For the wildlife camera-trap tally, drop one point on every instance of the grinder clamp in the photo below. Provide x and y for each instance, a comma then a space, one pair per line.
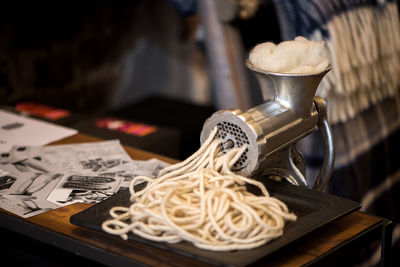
271, 130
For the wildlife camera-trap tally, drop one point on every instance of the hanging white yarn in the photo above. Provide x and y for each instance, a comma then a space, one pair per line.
364, 49
203, 202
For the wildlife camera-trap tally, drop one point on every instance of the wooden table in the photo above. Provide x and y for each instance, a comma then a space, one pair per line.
328, 245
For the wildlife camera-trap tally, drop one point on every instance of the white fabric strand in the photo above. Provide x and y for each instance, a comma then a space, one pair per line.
364, 50
203, 202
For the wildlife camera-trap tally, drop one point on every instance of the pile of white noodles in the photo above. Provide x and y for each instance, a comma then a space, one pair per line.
299, 56
203, 202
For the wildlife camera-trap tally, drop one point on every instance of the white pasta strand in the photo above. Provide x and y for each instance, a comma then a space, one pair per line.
202, 201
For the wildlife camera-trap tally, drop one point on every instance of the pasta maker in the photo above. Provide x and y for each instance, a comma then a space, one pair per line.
271, 130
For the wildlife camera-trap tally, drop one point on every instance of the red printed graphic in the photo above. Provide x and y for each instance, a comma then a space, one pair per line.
128, 127
41, 110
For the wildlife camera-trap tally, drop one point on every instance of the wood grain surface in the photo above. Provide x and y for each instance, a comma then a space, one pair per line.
305, 250
309, 248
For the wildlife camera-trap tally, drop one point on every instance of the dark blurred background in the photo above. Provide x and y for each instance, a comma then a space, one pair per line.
145, 61
163, 63
100, 55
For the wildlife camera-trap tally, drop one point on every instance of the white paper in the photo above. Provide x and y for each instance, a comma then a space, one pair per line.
20, 130
91, 157
25, 206
34, 179
27, 195
149, 168
34, 184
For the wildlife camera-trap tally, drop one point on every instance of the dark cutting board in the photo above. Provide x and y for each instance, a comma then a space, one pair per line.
313, 209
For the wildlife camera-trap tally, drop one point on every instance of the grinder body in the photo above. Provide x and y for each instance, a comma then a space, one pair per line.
290, 111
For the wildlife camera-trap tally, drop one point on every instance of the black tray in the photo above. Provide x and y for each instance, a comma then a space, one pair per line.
313, 209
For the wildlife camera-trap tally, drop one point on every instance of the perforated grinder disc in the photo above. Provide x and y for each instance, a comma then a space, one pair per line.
234, 132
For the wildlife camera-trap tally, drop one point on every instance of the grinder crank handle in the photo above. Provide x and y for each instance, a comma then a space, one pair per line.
326, 170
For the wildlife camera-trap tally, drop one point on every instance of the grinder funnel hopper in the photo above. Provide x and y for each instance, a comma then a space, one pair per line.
294, 91
271, 130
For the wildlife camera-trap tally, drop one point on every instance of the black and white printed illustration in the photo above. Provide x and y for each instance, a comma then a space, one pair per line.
95, 183
25, 206
18, 160
34, 179
39, 184
80, 158
6, 181
85, 196
148, 168
66, 190
27, 193
99, 164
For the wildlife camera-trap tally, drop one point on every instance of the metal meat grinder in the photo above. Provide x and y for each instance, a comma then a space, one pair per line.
271, 130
